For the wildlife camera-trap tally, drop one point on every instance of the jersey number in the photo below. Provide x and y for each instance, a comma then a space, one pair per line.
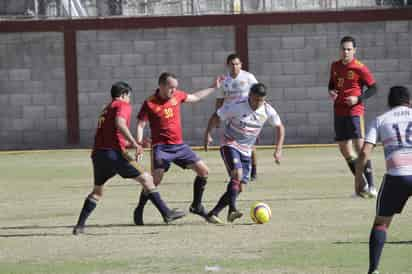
408, 134
168, 113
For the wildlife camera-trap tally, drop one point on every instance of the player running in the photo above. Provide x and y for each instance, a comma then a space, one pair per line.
110, 157
243, 121
347, 78
162, 112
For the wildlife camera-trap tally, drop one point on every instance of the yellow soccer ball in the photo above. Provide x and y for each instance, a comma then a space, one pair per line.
260, 213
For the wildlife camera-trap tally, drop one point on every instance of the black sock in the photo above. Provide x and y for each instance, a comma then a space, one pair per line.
376, 242
198, 189
221, 204
155, 198
253, 171
88, 206
233, 191
351, 163
368, 173
144, 197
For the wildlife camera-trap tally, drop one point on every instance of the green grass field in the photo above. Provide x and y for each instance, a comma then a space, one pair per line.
316, 226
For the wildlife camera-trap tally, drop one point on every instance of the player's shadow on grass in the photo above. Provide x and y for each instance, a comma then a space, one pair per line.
367, 243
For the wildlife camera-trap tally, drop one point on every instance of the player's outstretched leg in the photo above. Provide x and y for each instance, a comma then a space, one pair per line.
169, 215
233, 190
138, 212
198, 188
88, 206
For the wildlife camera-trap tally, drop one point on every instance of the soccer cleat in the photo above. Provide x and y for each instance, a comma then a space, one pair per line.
78, 230
213, 219
375, 272
233, 215
199, 210
173, 215
253, 177
138, 216
372, 192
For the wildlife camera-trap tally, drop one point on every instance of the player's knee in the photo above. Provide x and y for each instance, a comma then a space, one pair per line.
94, 196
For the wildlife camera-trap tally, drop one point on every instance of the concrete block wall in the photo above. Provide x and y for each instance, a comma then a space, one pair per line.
294, 60
32, 91
195, 55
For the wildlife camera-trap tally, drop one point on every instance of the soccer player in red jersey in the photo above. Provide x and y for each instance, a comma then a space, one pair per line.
109, 156
162, 112
348, 76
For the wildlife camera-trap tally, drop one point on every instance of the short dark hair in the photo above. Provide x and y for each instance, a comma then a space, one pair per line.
258, 89
232, 57
164, 76
398, 96
348, 39
120, 88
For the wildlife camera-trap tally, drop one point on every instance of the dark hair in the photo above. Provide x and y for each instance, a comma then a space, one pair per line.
258, 89
164, 76
398, 95
120, 88
232, 57
348, 39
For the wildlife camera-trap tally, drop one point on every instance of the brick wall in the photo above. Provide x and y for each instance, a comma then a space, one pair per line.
32, 91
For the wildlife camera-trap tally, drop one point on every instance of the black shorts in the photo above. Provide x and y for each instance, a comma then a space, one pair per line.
349, 127
180, 154
109, 162
393, 195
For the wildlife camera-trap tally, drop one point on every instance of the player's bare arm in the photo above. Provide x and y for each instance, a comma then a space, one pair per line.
199, 95
280, 136
363, 157
122, 126
213, 123
139, 136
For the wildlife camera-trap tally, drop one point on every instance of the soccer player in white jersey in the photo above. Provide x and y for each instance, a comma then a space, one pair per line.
394, 129
243, 121
236, 85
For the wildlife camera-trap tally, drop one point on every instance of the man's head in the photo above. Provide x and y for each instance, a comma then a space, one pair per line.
257, 95
234, 64
398, 96
121, 90
167, 85
347, 48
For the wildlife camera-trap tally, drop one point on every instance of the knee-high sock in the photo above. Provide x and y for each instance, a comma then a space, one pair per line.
351, 161
368, 173
376, 242
144, 197
198, 189
221, 204
233, 190
156, 199
88, 206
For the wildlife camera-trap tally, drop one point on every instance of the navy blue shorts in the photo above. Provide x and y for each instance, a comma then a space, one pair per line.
234, 160
393, 195
109, 162
349, 127
181, 154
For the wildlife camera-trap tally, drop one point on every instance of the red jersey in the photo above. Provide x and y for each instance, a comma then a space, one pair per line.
164, 117
349, 80
107, 135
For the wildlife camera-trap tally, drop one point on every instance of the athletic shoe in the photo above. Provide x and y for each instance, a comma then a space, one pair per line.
78, 230
232, 216
372, 192
253, 177
138, 216
174, 214
199, 210
213, 219
375, 272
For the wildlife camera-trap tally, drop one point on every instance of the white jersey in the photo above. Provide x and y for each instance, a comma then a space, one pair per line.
234, 89
394, 129
243, 125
